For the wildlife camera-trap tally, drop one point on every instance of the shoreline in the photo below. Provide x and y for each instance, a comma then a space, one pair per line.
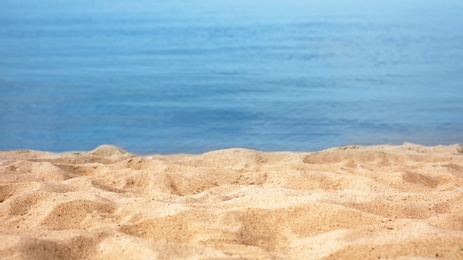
383, 201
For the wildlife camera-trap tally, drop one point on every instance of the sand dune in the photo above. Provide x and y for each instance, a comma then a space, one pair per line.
342, 203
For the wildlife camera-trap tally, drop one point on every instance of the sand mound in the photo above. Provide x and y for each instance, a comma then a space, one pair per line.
347, 202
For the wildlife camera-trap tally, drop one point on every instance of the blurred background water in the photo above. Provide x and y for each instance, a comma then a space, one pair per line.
192, 76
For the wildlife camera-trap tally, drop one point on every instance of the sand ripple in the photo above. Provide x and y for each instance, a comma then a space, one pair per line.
346, 202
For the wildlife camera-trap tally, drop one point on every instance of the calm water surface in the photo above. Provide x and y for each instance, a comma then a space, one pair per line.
192, 76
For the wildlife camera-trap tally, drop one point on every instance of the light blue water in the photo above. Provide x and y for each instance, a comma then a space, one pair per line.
192, 76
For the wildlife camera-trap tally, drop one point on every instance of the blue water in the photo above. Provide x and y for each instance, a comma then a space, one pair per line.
192, 76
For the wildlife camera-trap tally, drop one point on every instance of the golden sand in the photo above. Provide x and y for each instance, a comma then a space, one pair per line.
342, 203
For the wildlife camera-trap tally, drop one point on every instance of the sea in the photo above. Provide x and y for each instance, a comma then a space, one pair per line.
190, 76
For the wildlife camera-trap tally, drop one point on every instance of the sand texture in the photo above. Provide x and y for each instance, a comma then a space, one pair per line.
342, 203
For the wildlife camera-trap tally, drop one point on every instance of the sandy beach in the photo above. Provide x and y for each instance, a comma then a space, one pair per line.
350, 202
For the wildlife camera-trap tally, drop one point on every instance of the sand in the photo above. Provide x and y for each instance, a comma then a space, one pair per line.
342, 203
